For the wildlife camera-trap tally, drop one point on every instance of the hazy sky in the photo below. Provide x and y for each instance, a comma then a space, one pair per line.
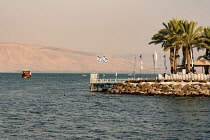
100, 26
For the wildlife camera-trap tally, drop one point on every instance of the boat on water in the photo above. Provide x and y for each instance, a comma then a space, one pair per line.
26, 74
84, 75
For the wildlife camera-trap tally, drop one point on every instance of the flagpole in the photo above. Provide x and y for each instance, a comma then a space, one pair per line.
98, 60
154, 63
140, 64
154, 72
104, 60
140, 69
134, 72
165, 62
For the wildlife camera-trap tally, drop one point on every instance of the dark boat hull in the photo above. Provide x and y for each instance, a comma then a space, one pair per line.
26, 74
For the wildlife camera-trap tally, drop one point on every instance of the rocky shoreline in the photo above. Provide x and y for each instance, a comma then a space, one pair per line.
177, 88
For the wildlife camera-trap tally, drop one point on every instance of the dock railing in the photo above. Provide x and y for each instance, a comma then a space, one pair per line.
189, 76
107, 80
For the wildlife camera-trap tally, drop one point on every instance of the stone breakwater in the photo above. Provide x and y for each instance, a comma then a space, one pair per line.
163, 88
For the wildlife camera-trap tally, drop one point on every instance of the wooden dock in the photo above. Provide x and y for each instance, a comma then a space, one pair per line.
97, 84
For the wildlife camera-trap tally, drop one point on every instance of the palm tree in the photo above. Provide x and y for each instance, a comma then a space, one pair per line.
206, 39
190, 38
175, 34
167, 36
160, 37
205, 44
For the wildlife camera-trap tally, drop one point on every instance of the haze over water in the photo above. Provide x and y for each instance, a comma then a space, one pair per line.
60, 106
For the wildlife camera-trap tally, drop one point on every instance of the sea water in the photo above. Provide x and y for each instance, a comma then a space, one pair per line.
60, 106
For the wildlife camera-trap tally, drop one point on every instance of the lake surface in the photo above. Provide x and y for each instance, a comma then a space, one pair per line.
60, 106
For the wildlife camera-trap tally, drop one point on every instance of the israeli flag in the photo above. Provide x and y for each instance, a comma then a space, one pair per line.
98, 59
105, 59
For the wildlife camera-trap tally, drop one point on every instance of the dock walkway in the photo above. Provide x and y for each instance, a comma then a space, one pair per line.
107, 80
97, 84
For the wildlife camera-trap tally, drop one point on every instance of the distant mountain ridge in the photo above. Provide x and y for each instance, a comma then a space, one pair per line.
17, 57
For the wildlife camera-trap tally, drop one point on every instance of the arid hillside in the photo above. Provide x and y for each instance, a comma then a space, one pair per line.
17, 57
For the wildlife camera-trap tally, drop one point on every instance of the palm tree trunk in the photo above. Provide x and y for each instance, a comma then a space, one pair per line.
176, 59
184, 57
172, 59
206, 69
188, 58
193, 70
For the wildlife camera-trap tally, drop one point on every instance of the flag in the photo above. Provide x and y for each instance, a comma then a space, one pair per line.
153, 56
105, 59
155, 59
141, 62
165, 62
98, 59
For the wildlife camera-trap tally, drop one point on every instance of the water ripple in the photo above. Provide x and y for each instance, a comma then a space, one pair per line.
53, 106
